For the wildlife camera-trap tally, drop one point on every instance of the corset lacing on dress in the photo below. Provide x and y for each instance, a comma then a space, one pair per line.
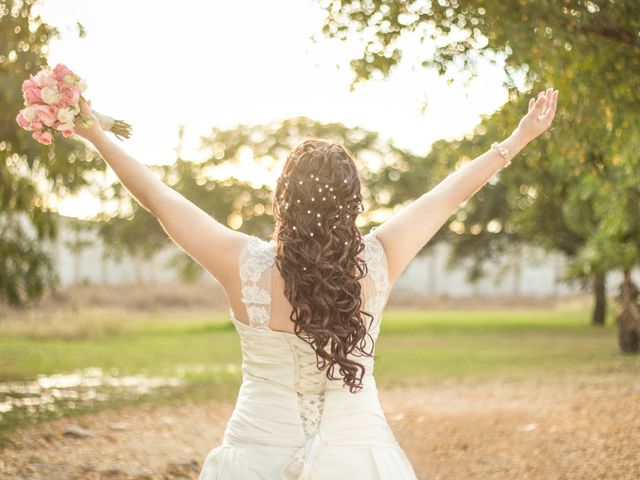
310, 384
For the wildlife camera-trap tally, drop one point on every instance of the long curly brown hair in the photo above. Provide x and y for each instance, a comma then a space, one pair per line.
316, 203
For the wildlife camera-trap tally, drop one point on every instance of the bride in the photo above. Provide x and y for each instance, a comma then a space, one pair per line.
307, 303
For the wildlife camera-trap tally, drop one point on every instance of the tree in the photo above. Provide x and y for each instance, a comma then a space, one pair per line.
588, 49
529, 203
30, 172
627, 319
616, 245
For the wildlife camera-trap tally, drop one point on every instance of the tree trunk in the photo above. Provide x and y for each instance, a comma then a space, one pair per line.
600, 292
628, 319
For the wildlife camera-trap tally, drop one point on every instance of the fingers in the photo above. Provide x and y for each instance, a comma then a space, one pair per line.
552, 108
85, 106
544, 101
546, 117
539, 103
549, 100
543, 107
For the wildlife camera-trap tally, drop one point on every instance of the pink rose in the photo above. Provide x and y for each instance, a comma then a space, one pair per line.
29, 83
31, 91
46, 114
23, 122
45, 79
69, 93
43, 137
27, 119
67, 133
60, 71
32, 95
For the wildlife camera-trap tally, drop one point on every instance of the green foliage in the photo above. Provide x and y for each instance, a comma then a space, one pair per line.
576, 189
529, 35
25, 270
30, 173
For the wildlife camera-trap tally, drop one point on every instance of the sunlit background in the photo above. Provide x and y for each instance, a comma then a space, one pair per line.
204, 64
509, 346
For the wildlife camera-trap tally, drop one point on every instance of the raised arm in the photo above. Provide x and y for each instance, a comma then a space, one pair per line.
407, 231
213, 245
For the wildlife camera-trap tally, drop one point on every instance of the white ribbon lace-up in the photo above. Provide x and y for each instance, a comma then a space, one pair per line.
310, 384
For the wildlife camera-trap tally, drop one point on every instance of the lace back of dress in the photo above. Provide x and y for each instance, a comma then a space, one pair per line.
258, 257
375, 285
256, 261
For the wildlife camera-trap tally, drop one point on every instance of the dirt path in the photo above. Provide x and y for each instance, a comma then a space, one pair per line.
580, 429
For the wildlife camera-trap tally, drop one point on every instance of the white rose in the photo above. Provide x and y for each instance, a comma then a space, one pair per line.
41, 78
65, 126
50, 95
82, 85
66, 115
29, 114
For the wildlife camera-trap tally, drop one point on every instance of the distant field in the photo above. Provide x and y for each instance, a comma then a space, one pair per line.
197, 353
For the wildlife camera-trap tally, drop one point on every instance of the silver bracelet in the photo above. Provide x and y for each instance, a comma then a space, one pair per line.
504, 153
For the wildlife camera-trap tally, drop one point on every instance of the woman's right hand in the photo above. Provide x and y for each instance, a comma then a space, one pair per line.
81, 128
540, 115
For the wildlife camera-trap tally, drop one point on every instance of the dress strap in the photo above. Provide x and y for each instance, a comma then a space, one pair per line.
378, 289
256, 260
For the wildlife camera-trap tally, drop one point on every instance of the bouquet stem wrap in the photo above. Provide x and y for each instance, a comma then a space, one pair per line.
119, 128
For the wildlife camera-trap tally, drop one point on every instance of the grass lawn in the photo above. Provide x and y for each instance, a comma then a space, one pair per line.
202, 350
434, 346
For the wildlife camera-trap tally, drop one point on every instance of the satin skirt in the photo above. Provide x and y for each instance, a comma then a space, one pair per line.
265, 437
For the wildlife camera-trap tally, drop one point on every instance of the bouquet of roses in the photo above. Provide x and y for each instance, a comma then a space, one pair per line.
52, 104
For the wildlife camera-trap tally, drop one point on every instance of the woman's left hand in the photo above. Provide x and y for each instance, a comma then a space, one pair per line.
540, 115
86, 124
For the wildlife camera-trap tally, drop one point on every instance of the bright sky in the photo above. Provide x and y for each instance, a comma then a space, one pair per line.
220, 63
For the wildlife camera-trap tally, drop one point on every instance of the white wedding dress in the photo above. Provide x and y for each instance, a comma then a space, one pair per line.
290, 421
